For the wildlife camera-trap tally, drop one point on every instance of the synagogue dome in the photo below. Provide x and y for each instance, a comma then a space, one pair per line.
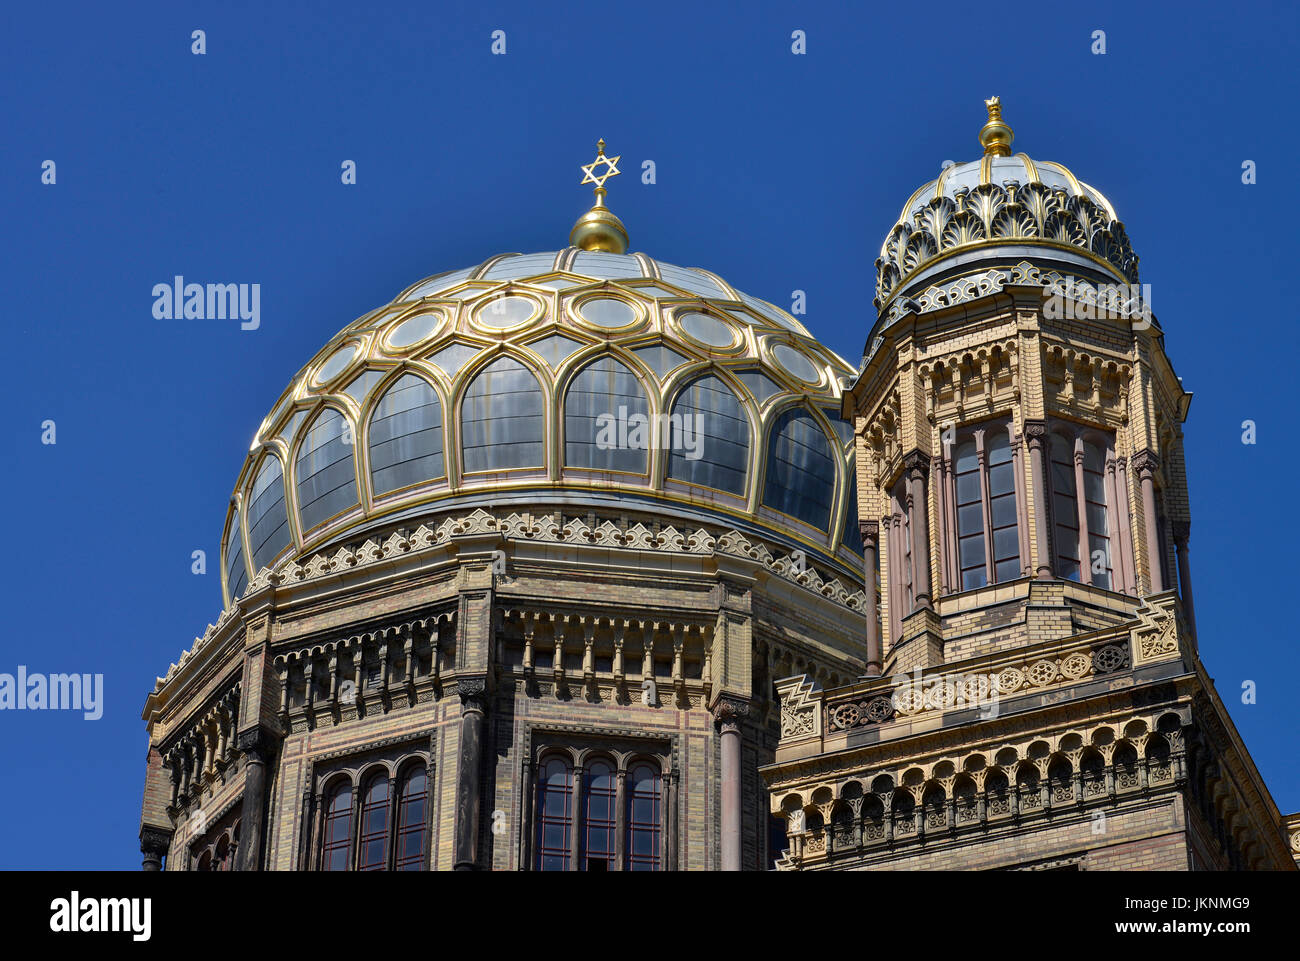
520, 384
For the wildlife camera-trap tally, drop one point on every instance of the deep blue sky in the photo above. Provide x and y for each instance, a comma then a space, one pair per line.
776, 171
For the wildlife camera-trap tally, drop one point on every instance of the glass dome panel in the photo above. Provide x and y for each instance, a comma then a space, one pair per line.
440, 283
599, 430
453, 357
555, 349
795, 363
691, 280
236, 569
800, 469
852, 538
659, 358
268, 520
607, 266
327, 483
718, 455
502, 422
406, 436
607, 312
508, 311
522, 265
707, 329
412, 330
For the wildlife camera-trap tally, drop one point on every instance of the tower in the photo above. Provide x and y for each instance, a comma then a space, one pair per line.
1033, 696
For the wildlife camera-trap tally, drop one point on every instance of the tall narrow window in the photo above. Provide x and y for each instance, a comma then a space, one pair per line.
1002, 507
1085, 539
1065, 513
899, 561
643, 817
374, 826
555, 815
338, 830
411, 820
599, 795
970, 517
1094, 494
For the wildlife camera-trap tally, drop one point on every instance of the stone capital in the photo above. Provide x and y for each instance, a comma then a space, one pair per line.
729, 711
1182, 530
473, 693
870, 530
1145, 461
257, 743
916, 460
154, 840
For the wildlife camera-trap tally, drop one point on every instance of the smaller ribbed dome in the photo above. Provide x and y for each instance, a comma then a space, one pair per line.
1000, 210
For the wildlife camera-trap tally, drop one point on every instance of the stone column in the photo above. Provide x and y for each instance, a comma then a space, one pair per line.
469, 767
870, 553
154, 843
917, 465
729, 712
258, 747
1036, 437
1183, 531
1146, 464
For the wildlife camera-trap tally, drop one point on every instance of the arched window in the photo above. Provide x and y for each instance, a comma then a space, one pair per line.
336, 850
268, 520
373, 855
710, 442
412, 819
643, 817
222, 859
236, 570
205, 861
502, 423
599, 796
406, 436
327, 483
981, 498
606, 419
555, 814
800, 469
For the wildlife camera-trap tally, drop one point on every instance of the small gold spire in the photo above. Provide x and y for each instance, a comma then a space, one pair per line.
599, 228
996, 136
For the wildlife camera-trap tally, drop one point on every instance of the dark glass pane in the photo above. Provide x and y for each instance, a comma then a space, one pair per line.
1006, 543
501, 418
970, 519
800, 469
326, 482
966, 459
1008, 570
1004, 511
406, 436
1002, 480
268, 520
606, 425
718, 454
968, 488
972, 550
972, 578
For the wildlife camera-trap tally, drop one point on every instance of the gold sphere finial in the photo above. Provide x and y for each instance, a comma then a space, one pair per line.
996, 136
598, 228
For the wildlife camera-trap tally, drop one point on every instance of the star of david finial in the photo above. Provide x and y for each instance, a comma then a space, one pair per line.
611, 169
